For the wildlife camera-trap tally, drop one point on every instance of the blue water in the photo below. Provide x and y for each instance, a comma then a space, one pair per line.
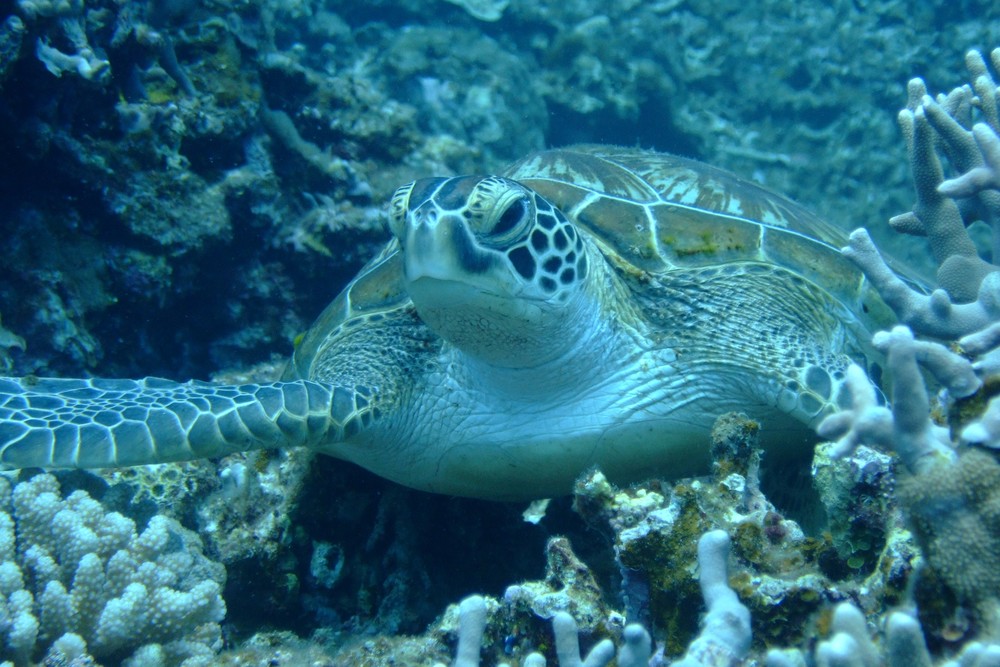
157, 222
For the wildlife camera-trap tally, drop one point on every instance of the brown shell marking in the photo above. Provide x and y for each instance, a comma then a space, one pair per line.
653, 211
659, 212
378, 288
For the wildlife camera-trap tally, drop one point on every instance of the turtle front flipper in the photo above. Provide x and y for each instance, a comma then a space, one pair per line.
106, 423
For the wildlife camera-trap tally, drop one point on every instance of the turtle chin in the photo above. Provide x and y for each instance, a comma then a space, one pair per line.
500, 329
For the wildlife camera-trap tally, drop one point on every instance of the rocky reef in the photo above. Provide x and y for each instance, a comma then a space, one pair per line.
188, 183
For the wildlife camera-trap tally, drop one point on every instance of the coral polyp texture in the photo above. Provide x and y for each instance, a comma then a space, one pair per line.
76, 579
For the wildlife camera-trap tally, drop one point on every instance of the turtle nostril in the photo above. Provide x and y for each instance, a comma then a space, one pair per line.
426, 216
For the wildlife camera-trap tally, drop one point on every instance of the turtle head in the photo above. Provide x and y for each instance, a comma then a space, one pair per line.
491, 266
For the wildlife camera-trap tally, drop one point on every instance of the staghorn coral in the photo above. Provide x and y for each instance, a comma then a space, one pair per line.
952, 494
951, 497
725, 635
77, 578
849, 644
724, 638
903, 645
967, 300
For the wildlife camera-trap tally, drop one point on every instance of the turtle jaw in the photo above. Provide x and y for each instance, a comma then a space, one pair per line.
442, 249
470, 297
501, 330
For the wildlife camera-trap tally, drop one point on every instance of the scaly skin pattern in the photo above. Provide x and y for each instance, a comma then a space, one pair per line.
638, 395
104, 423
513, 335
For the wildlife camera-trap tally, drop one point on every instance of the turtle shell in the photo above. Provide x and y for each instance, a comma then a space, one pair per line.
648, 211
660, 212
377, 289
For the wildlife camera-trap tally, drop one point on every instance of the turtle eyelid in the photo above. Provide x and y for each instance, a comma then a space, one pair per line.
510, 218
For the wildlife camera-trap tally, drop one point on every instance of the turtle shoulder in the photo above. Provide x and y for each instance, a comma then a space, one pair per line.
374, 294
658, 213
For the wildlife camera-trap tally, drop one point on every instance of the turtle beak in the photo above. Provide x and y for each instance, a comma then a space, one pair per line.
439, 246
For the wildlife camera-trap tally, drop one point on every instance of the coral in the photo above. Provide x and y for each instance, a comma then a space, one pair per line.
8, 341
248, 513
986, 430
906, 427
986, 177
74, 574
654, 537
280, 125
34, 9
472, 620
967, 300
954, 509
484, 10
187, 175
937, 314
860, 513
952, 495
84, 62
473, 100
724, 638
936, 215
569, 586
966, 306
903, 645
725, 635
727, 630
471, 624
787, 576
973, 150
11, 37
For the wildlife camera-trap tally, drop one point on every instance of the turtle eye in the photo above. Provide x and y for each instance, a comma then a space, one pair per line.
397, 209
511, 220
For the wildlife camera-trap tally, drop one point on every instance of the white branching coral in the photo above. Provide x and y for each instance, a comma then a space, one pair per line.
724, 639
78, 578
952, 492
967, 300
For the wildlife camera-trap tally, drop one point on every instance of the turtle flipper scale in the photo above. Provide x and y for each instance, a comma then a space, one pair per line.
99, 423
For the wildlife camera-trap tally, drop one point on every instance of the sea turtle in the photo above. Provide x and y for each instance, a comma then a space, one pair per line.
591, 306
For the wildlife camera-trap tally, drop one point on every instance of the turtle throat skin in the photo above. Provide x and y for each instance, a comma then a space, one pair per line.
494, 269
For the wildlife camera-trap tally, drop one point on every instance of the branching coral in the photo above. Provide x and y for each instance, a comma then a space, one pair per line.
906, 428
76, 578
851, 646
725, 634
724, 639
952, 499
968, 298
952, 494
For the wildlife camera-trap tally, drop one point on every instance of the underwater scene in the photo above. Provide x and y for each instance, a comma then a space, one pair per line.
500, 332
